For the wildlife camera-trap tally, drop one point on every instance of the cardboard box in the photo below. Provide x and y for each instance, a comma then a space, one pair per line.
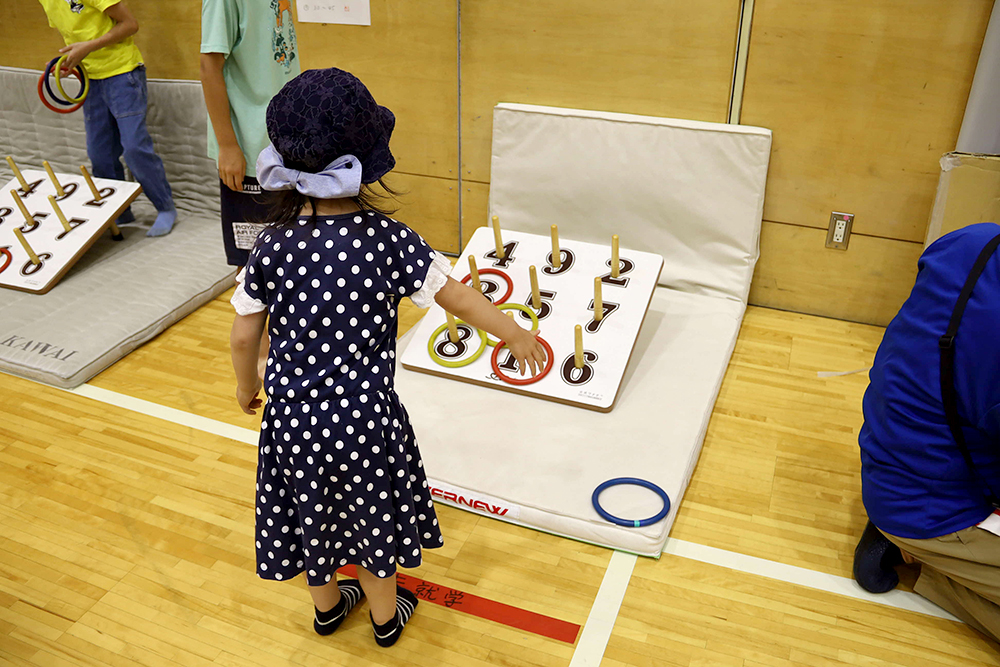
968, 192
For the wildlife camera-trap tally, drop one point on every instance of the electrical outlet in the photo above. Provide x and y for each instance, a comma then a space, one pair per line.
840, 230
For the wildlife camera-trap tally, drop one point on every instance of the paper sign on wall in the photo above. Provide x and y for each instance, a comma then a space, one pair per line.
349, 12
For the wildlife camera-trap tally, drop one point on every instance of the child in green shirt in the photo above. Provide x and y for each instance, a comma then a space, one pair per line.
248, 52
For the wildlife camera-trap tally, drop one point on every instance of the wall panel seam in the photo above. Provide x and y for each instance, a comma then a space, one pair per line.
740, 58
823, 229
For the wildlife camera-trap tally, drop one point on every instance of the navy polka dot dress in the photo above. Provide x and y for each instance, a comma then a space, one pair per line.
339, 476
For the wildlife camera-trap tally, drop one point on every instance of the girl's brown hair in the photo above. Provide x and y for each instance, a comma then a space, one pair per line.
286, 205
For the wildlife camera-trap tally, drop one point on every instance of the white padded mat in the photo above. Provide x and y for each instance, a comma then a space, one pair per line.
118, 295
697, 188
693, 192
546, 458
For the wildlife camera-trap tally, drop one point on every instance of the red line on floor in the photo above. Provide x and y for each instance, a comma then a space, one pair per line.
515, 617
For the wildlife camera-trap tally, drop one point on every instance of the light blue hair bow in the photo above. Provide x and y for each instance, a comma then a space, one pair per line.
341, 178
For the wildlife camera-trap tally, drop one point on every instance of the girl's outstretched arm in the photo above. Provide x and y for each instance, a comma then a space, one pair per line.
471, 306
244, 345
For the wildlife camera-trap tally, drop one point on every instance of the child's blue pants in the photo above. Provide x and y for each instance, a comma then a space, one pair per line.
115, 119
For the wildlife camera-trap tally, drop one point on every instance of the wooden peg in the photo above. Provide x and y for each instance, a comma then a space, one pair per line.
17, 173
26, 246
116, 235
59, 214
90, 182
536, 297
452, 328
496, 236
556, 253
20, 204
598, 301
52, 176
474, 272
614, 256
578, 357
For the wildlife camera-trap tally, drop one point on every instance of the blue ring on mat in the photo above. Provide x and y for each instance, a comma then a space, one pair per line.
631, 523
48, 86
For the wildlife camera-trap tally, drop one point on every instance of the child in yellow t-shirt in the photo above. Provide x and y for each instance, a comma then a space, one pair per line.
98, 35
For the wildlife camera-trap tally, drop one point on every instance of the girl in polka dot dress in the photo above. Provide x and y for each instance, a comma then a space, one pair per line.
339, 476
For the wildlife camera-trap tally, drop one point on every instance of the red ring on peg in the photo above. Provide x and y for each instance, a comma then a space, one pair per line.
527, 380
496, 272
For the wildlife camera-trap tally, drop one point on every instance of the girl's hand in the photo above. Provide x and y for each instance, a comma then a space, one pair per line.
248, 399
75, 53
527, 350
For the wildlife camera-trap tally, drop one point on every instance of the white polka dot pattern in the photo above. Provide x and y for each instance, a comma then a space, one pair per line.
339, 477
345, 325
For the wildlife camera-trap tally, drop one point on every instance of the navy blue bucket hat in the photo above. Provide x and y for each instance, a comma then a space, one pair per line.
323, 114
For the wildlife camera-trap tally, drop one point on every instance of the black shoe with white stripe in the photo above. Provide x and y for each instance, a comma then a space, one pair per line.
388, 633
350, 594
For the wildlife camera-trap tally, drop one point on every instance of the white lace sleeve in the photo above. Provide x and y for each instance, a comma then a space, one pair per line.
437, 276
243, 302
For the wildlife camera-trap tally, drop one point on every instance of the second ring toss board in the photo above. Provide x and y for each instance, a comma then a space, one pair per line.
56, 248
567, 295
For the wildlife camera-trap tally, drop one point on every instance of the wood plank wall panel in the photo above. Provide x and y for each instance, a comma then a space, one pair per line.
475, 208
430, 206
863, 98
27, 38
408, 58
867, 283
671, 58
169, 36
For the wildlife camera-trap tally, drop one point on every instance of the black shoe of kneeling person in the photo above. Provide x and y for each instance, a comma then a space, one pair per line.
874, 560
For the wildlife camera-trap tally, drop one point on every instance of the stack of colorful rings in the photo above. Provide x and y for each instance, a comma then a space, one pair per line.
71, 104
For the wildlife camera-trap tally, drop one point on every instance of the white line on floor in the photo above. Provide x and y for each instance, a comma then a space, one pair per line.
603, 614
173, 415
597, 630
801, 576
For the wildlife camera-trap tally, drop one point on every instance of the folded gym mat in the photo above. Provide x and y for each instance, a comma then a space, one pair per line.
118, 295
692, 192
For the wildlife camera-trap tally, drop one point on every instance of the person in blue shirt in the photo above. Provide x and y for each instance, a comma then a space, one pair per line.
926, 503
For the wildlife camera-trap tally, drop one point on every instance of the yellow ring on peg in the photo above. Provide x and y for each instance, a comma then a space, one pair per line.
483, 338
523, 309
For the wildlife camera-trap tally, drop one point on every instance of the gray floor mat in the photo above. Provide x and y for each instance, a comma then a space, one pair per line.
118, 295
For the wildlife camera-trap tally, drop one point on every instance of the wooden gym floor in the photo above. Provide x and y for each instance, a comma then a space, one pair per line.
126, 533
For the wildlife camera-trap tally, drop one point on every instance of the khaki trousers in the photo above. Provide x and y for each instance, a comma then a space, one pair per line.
960, 572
